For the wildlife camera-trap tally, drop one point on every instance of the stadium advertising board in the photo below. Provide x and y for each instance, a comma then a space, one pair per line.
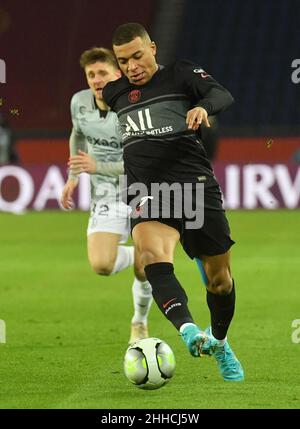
244, 186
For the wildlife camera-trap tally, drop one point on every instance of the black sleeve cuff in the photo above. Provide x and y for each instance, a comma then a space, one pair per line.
205, 105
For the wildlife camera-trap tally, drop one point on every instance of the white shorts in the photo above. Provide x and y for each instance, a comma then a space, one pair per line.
110, 216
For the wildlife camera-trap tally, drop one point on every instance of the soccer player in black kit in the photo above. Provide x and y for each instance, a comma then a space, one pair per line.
160, 110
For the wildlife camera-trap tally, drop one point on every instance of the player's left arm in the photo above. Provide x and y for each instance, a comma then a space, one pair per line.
207, 95
85, 163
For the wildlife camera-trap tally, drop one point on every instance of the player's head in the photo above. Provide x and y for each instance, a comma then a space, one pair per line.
100, 66
135, 52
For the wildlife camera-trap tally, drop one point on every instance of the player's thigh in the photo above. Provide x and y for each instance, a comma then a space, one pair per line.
102, 249
155, 241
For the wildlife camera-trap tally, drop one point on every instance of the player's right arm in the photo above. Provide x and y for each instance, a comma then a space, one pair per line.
76, 143
66, 199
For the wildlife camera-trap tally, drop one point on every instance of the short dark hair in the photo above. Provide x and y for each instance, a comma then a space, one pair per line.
125, 33
95, 54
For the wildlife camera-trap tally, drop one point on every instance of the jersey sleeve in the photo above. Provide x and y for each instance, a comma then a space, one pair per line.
113, 90
74, 112
77, 138
110, 168
202, 89
107, 94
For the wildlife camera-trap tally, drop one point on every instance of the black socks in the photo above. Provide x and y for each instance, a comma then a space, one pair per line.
173, 302
168, 293
221, 312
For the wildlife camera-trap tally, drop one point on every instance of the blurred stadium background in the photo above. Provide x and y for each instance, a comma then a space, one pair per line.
252, 48
249, 47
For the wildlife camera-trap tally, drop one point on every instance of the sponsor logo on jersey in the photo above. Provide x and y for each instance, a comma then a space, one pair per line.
142, 124
198, 71
134, 96
98, 142
202, 73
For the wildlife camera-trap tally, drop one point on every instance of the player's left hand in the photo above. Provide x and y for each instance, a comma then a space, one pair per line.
195, 117
82, 163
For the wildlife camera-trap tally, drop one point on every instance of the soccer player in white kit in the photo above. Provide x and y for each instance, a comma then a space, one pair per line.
96, 148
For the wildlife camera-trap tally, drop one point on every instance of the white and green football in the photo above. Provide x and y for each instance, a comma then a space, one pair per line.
149, 363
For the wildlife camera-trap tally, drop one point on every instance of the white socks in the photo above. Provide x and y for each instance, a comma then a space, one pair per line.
220, 342
141, 291
125, 258
184, 325
142, 300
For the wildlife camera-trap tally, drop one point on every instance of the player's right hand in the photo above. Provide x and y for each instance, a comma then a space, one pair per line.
195, 117
66, 199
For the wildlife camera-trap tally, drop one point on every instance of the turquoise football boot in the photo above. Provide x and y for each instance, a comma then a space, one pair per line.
194, 339
229, 366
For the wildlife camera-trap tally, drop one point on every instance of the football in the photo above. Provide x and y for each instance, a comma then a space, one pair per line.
149, 363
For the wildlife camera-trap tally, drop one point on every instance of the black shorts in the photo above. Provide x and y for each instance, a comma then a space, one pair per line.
212, 238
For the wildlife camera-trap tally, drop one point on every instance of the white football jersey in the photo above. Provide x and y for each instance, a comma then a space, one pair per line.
103, 138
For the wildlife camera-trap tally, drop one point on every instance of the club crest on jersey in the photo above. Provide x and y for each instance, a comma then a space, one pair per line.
134, 96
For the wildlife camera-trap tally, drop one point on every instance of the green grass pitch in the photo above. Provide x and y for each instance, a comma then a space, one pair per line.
67, 329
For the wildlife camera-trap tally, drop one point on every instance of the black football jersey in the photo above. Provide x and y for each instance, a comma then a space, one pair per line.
158, 146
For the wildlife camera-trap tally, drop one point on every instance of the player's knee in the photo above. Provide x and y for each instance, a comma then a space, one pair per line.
102, 268
221, 284
140, 273
152, 256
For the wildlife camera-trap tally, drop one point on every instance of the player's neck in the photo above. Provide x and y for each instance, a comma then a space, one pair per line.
101, 104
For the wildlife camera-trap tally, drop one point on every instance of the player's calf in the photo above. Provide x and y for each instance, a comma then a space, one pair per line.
221, 308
